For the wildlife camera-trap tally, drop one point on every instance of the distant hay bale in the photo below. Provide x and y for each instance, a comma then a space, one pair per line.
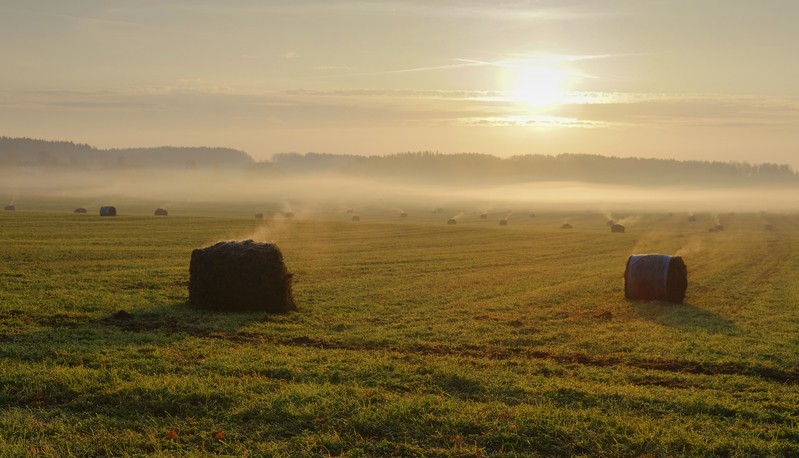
239, 277
452, 221
161, 212
617, 228
259, 216
483, 215
716, 228
349, 210
503, 222
289, 214
10, 208
108, 210
692, 219
566, 226
655, 277
438, 210
81, 210
356, 218
403, 215
768, 227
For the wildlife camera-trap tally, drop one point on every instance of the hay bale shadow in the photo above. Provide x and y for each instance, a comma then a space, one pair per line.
684, 317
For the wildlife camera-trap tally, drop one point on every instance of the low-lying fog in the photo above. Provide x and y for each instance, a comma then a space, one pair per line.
311, 192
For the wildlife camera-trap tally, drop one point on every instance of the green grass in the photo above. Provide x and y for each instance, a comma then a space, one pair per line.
413, 337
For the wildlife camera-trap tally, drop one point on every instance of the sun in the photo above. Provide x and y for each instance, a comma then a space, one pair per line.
538, 87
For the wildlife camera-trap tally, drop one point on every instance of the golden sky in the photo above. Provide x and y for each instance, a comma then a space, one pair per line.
684, 79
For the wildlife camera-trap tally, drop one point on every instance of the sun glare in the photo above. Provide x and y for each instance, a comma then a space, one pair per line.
538, 87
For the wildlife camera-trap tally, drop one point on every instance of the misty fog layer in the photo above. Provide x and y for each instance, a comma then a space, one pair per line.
321, 192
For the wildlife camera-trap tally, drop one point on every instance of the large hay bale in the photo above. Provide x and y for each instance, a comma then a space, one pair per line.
108, 210
10, 208
240, 276
617, 228
452, 221
81, 210
655, 277
161, 212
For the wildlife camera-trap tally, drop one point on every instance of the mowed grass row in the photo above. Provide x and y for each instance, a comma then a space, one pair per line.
413, 337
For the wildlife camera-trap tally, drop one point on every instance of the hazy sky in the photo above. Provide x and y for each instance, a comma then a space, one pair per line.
693, 79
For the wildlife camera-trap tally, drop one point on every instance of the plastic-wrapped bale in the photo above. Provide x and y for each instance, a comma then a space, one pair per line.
650, 277
81, 210
108, 210
239, 277
617, 228
10, 208
161, 212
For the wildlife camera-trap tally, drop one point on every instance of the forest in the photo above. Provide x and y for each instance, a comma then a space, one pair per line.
425, 167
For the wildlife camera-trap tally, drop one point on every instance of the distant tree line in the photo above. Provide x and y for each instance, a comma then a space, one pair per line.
27, 152
475, 169
468, 169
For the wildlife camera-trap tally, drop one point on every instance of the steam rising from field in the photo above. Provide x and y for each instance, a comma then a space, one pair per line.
334, 192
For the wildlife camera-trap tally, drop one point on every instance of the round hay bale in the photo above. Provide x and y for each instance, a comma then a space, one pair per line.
503, 222
483, 215
566, 226
655, 277
108, 210
452, 221
161, 212
259, 216
240, 276
617, 228
403, 215
10, 208
81, 210
356, 218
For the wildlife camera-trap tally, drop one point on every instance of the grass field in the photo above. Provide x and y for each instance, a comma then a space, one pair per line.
413, 338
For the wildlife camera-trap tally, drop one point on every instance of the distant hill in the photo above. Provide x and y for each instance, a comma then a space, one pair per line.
31, 152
